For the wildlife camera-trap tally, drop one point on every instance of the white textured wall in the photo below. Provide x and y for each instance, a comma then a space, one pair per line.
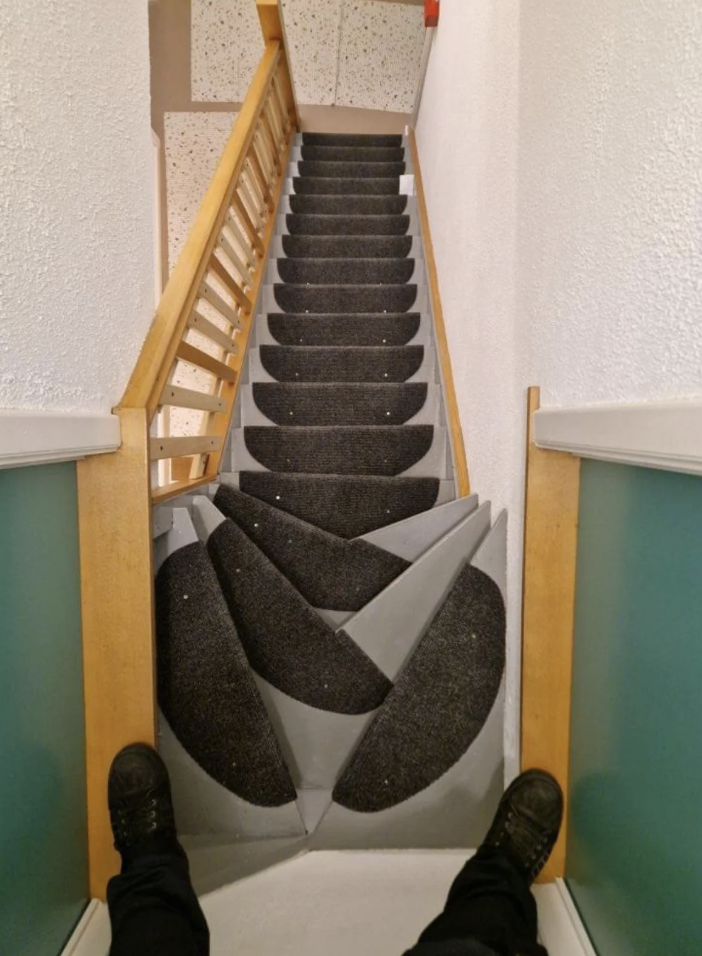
76, 201
467, 139
561, 147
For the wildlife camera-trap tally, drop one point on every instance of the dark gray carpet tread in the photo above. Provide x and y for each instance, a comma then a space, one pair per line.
439, 704
346, 364
205, 686
341, 450
344, 328
346, 505
303, 225
351, 139
333, 404
332, 186
285, 640
354, 154
345, 298
350, 170
348, 205
328, 571
347, 271
353, 247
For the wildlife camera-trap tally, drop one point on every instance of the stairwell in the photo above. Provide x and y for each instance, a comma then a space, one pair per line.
330, 616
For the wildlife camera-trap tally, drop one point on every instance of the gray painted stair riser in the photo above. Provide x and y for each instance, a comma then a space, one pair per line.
269, 302
389, 627
417, 274
263, 335
427, 371
411, 538
432, 465
251, 414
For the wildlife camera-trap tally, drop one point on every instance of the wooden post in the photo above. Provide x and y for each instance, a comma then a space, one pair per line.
273, 28
550, 547
117, 620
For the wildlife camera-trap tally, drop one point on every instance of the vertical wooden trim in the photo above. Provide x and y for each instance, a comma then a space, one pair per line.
273, 28
454, 420
550, 551
114, 501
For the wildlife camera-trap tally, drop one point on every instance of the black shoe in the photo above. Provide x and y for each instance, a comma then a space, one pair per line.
139, 798
528, 821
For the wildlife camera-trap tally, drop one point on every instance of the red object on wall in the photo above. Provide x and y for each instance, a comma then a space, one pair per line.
431, 13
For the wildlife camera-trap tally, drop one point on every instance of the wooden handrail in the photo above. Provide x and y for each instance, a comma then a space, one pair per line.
203, 319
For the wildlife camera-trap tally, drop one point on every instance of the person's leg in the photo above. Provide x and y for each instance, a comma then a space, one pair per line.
153, 908
490, 907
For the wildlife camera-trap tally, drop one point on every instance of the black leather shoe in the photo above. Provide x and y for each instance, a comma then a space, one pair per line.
528, 821
139, 799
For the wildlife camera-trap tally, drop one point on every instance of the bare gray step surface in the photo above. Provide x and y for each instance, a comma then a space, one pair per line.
350, 169
286, 642
381, 364
352, 139
347, 271
219, 860
347, 505
328, 571
390, 626
353, 154
284, 403
205, 687
309, 225
343, 328
325, 205
413, 536
342, 450
335, 186
341, 247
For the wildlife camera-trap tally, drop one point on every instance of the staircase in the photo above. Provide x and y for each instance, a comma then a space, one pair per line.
330, 615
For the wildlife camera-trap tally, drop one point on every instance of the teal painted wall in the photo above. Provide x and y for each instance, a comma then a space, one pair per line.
43, 853
635, 829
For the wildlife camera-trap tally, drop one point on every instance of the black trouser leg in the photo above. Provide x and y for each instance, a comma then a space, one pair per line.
490, 903
154, 910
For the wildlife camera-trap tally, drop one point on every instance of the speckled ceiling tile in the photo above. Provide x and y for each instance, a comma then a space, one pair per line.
313, 33
381, 51
226, 47
193, 143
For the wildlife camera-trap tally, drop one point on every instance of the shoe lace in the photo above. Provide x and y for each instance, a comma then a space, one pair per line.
526, 839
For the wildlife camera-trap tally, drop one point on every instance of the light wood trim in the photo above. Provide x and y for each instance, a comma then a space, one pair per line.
231, 284
179, 487
270, 15
152, 369
263, 149
236, 260
202, 325
247, 223
241, 239
255, 189
189, 353
451, 403
211, 295
280, 99
114, 512
274, 121
550, 548
178, 447
189, 398
271, 139
253, 206
261, 179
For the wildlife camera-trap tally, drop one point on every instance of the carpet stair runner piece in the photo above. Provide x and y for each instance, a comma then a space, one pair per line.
330, 617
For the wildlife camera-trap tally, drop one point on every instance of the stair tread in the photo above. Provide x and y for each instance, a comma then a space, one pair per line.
369, 297
336, 185
350, 169
290, 363
345, 271
306, 224
344, 329
348, 205
327, 247
352, 139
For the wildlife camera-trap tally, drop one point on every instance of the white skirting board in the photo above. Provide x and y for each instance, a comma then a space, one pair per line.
41, 437
374, 902
666, 434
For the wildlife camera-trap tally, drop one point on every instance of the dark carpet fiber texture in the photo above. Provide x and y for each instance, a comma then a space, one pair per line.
352, 139
285, 640
344, 450
332, 186
349, 169
347, 247
205, 686
348, 205
334, 404
336, 271
303, 225
328, 571
344, 328
354, 154
347, 505
345, 298
439, 704
379, 364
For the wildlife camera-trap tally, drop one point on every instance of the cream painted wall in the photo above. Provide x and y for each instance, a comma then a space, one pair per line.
76, 201
561, 147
